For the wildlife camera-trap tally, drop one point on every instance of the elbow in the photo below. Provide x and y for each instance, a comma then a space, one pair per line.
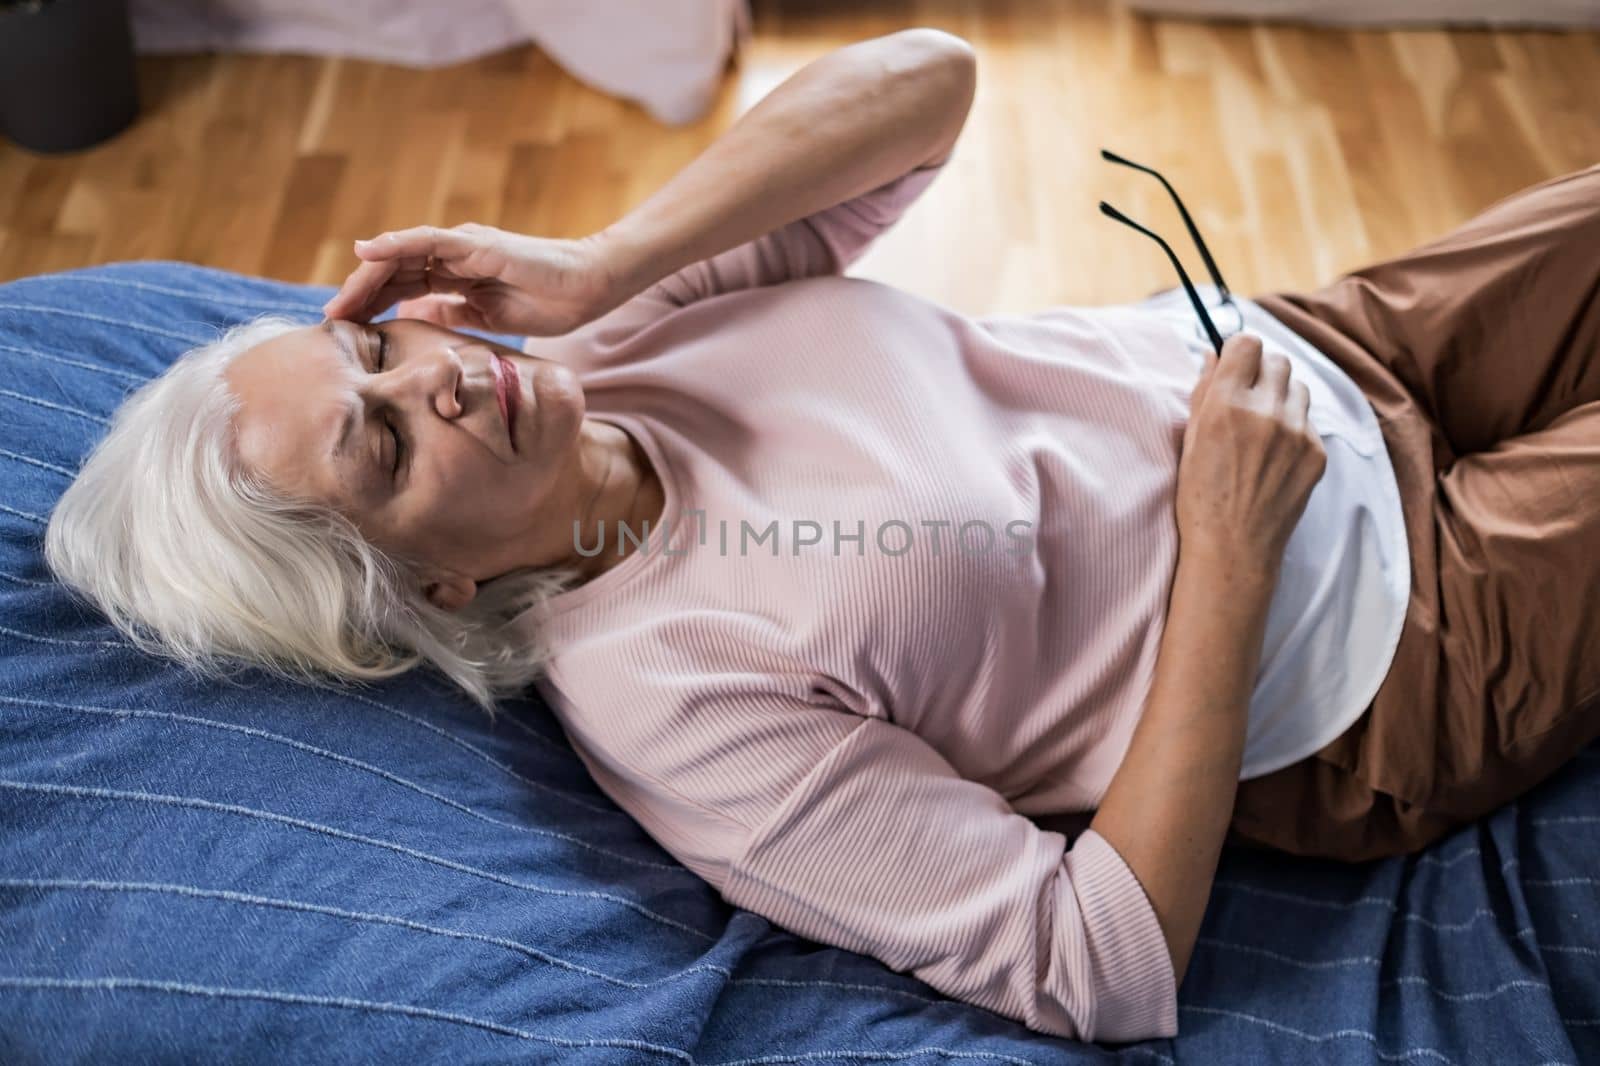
936, 46
940, 50
1136, 1003
1142, 1004
1111, 1019
942, 58
944, 68
1148, 1013
1133, 1034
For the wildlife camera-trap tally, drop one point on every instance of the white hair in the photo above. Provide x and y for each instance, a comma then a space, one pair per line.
194, 557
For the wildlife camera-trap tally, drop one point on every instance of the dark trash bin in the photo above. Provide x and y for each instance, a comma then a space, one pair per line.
66, 73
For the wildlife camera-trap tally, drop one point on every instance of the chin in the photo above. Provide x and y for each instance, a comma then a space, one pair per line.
559, 401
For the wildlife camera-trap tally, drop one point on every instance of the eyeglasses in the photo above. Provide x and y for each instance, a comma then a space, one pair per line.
1194, 231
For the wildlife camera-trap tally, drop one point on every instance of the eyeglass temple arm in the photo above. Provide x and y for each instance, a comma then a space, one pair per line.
1194, 231
1183, 275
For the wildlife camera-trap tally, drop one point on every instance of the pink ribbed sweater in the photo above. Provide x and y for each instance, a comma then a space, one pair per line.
848, 736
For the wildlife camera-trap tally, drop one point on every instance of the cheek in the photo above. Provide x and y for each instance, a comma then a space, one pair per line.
448, 461
457, 486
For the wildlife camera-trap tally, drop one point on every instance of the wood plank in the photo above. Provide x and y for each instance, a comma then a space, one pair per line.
1302, 152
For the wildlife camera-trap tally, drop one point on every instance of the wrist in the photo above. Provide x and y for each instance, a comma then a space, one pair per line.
1243, 571
626, 261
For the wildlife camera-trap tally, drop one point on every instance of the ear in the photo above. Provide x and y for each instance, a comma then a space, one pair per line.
449, 590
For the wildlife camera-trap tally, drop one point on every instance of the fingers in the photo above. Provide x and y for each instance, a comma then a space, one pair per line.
356, 297
1274, 376
1297, 408
436, 309
394, 262
451, 311
418, 242
1245, 364
1239, 362
1208, 373
1254, 378
373, 287
428, 308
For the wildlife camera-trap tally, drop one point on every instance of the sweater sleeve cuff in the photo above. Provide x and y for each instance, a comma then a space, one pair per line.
1138, 991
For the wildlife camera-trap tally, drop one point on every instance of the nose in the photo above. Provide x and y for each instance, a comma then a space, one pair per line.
435, 380
444, 387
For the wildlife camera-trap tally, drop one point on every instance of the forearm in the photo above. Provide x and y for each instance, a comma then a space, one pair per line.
842, 125
1167, 809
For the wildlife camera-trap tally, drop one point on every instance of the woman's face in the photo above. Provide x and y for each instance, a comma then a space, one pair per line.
398, 425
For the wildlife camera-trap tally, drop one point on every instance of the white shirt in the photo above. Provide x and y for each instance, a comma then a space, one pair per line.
1343, 588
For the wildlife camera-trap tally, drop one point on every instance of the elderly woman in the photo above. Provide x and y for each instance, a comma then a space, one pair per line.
840, 593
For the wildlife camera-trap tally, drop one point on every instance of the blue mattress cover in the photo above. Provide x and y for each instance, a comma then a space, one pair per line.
261, 871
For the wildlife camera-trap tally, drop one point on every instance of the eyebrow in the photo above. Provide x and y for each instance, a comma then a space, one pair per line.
352, 414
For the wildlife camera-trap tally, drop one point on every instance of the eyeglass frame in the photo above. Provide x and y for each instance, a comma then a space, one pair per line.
1194, 232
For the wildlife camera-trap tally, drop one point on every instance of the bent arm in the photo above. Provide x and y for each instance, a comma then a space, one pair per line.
1167, 809
844, 124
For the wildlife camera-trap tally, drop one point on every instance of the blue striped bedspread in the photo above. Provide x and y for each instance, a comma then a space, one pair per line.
260, 871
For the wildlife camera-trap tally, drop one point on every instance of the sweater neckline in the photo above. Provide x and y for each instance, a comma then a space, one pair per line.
641, 557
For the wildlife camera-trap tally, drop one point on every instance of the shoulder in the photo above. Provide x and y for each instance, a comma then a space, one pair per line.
698, 739
644, 681
693, 831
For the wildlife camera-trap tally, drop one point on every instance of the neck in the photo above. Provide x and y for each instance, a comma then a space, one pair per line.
615, 485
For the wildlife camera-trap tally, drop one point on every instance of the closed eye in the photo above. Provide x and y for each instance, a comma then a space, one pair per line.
399, 450
379, 364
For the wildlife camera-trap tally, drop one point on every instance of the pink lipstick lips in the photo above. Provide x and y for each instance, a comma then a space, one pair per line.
508, 390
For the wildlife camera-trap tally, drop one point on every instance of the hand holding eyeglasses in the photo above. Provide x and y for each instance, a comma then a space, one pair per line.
1250, 457
1250, 454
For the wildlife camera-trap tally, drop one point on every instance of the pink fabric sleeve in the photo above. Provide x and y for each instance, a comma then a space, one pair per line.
822, 243
857, 833
882, 848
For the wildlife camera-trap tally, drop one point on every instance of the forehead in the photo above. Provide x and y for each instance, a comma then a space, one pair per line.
293, 391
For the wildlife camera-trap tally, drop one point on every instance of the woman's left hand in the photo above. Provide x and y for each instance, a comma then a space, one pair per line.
479, 277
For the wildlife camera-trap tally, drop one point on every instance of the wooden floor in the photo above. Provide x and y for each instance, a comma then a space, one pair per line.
1301, 152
